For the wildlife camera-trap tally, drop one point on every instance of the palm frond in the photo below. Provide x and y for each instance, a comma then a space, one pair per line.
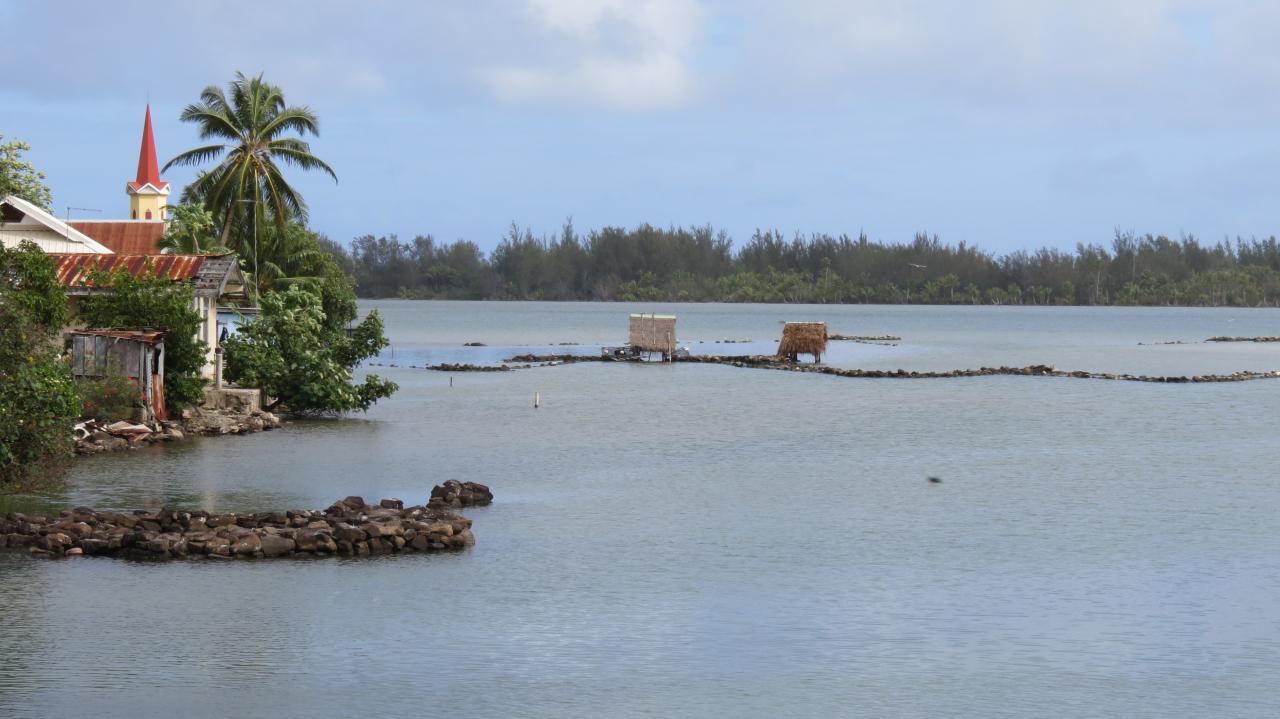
305, 160
297, 119
196, 156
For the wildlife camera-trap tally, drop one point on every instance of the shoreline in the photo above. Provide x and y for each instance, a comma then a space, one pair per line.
99, 438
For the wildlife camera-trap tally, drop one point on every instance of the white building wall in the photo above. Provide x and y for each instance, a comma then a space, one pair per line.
13, 234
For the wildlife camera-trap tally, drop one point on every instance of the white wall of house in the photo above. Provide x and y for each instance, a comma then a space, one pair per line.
208, 309
50, 234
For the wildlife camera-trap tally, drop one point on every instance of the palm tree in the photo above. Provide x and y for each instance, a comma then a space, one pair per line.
252, 120
293, 258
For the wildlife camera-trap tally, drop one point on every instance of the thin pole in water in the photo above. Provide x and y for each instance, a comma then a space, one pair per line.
450, 381
535, 400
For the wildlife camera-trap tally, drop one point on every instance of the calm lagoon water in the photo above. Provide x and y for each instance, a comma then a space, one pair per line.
706, 541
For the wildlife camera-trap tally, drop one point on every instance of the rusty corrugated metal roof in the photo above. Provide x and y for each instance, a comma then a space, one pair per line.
209, 273
124, 237
147, 336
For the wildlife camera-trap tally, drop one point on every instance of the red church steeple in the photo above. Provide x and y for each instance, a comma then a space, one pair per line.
148, 165
148, 194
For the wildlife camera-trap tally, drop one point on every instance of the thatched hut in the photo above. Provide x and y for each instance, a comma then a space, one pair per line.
654, 333
799, 338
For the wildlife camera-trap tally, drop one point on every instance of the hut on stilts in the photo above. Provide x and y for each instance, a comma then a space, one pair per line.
652, 333
799, 338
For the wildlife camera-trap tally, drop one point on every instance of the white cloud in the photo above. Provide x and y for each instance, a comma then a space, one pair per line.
1086, 56
983, 49
617, 53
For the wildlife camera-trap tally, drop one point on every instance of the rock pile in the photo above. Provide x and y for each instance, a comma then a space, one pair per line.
527, 358
242, 420
347, 527
875, 339
1243, 339
95, 437
780, 363
468, 367
460, 494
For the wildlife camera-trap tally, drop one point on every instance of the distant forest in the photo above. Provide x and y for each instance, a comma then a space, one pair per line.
701, 264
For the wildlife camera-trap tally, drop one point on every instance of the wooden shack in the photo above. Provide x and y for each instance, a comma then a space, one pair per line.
136, 355
799, 338
654, 333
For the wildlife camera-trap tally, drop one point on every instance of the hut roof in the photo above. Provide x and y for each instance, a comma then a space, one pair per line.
803, 338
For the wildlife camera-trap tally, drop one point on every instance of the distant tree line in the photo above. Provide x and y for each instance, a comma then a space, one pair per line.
700, 264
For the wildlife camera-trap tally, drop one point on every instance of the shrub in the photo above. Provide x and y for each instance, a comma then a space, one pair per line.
37, 398
291, 355
108, 398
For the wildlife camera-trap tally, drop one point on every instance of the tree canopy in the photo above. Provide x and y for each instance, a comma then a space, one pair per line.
253, 128
20, 178
190, 231
700, 264
292, 354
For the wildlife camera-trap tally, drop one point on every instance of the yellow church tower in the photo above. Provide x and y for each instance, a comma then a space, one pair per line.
148, 194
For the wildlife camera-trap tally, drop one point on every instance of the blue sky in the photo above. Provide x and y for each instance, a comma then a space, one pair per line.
1003, 123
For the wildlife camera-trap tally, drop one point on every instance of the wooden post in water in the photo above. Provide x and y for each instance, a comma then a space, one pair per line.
535, 400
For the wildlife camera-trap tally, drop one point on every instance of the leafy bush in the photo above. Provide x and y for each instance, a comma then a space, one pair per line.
292, 356
108, 398
38, 401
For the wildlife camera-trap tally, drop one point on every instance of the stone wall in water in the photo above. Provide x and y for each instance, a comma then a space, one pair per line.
347, 527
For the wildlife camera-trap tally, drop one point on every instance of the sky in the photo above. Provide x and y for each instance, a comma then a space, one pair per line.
1006, 124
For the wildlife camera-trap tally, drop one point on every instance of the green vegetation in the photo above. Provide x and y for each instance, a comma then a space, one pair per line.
20, 178
292, 352
107, 398
190, 231
154, 302
247, 185
38, 401
701, 265
298, 351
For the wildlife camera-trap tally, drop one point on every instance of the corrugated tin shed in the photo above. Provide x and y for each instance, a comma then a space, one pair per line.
213, 275
137, 355
124, 237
